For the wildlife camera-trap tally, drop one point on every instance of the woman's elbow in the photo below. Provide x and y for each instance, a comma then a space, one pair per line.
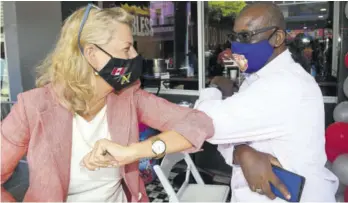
202, 124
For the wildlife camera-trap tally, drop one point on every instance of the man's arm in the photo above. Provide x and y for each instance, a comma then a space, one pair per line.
256, 166
257, 113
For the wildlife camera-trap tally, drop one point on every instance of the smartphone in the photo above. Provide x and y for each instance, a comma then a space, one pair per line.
292, 181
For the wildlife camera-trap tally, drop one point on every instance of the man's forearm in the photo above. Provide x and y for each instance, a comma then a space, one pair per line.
173, 140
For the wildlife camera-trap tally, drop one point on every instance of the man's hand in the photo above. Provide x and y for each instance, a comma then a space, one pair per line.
227, 86
257, 170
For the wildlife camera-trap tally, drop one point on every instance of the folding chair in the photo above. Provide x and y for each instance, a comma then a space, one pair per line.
199, 192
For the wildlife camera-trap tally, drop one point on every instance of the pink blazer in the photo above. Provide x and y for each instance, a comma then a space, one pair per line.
41, 128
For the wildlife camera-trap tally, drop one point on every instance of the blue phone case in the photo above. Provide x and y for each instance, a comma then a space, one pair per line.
293, 182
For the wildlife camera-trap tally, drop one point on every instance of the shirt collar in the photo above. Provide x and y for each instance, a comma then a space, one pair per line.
279, 62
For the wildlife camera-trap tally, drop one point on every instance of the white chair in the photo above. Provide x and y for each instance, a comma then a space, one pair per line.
199, 192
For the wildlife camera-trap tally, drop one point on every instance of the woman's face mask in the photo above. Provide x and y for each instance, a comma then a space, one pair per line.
121, 73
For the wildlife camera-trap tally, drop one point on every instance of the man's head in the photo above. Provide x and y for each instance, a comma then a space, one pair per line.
261, 22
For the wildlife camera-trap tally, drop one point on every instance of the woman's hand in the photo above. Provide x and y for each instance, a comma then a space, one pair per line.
257, 170
108, 154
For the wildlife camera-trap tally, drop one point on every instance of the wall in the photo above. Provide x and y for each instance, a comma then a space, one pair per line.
31, 29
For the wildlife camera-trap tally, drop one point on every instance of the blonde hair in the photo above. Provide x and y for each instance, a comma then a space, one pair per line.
66, 67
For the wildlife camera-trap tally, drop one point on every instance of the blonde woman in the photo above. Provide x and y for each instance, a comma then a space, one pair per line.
88, 94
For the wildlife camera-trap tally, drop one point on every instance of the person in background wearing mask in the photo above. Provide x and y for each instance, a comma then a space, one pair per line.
88, 95
277, 117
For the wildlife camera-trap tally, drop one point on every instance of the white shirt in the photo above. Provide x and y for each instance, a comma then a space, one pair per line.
103, 185
278, 110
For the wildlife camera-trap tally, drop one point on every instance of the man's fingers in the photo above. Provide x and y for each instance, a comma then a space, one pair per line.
266, 189
252, 187
274, 161
280, 186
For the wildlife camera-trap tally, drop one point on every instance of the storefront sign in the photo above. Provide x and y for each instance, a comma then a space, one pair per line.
141, 24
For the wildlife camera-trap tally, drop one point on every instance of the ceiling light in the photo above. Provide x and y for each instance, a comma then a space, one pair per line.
320, 16
323, 9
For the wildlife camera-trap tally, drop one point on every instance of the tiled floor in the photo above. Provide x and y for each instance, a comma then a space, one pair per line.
156, 192
155, 189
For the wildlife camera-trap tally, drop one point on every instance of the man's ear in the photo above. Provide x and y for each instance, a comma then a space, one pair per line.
278, 39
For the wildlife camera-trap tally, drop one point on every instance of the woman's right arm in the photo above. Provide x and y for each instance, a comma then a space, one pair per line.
14, 143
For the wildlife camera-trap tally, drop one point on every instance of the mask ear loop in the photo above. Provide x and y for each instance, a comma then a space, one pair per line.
101, 49
270, 37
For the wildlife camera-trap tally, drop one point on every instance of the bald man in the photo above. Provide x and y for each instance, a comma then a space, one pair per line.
277, 117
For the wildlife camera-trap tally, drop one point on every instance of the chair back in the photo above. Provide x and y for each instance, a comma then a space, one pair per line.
167, 164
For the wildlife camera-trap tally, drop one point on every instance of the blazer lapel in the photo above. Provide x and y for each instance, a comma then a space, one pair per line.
118, 115
57, 125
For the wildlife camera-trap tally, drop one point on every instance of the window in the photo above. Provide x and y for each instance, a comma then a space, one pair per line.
219, 20
4, 83
309, 28
165, 34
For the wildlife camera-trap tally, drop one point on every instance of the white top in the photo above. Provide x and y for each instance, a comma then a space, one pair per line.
278, 110
103, 185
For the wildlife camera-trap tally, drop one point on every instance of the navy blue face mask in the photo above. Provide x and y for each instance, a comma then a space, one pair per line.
257, 53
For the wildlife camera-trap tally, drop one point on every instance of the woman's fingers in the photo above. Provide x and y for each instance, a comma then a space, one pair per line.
98, 158
99, 155
88, 163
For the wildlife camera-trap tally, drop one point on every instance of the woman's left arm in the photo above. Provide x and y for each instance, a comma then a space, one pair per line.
182, 128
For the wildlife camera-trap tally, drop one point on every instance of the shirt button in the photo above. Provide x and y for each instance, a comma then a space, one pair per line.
140, 196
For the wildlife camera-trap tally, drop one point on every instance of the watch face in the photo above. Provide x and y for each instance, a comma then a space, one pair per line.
158, 147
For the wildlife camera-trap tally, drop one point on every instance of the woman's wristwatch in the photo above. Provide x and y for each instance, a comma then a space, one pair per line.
158, 147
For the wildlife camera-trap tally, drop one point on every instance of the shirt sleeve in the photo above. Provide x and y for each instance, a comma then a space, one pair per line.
255, 114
